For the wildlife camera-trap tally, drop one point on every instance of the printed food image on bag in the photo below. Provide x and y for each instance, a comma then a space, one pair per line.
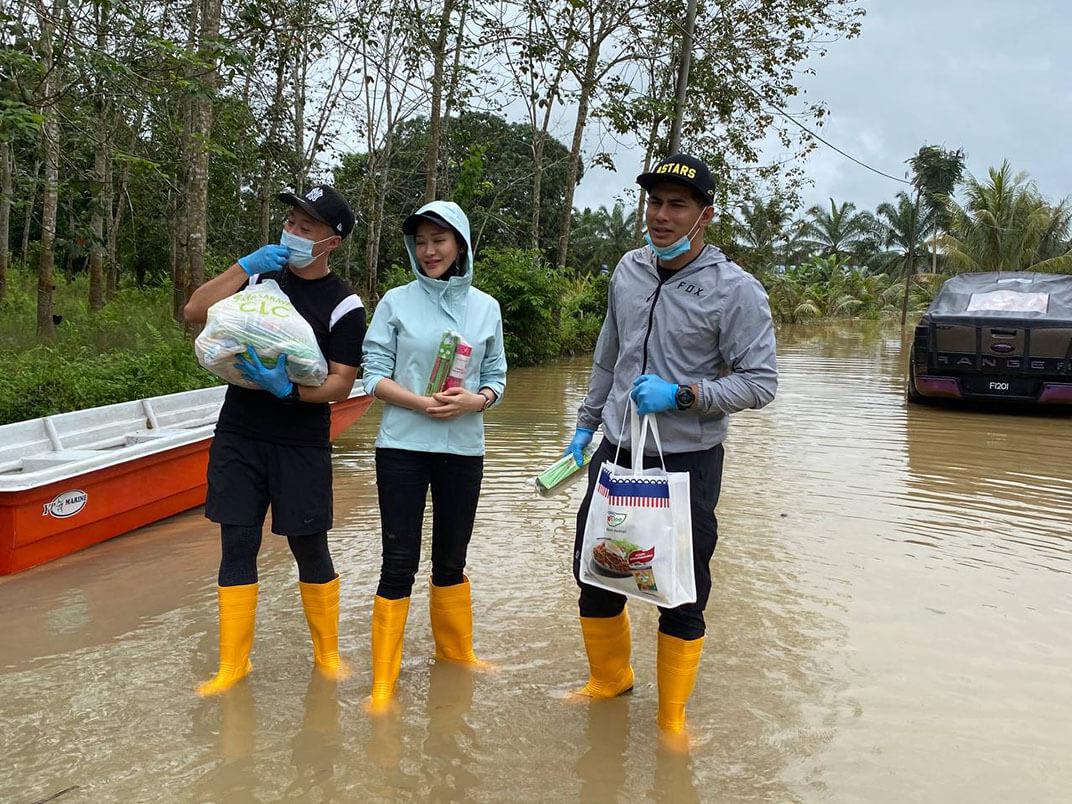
263, 317
618, 558
638, 533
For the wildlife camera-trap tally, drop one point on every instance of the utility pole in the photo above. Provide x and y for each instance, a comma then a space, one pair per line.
683, 78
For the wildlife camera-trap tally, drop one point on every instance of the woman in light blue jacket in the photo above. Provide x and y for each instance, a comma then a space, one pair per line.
429, 441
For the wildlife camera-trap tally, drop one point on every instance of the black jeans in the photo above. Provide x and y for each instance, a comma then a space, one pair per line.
705, 483
403, 478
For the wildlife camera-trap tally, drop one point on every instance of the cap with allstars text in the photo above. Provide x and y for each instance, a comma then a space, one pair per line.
685, 170
326, 204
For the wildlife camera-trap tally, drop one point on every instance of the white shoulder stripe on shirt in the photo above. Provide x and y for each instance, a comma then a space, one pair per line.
347, 305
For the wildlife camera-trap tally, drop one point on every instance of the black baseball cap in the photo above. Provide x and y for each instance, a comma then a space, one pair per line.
684, 170
326, 204
409, 225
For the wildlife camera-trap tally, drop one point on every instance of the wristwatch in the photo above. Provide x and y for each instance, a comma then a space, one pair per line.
294, 395
685, 397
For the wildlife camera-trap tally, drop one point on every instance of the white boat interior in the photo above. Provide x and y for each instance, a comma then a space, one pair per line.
50, 449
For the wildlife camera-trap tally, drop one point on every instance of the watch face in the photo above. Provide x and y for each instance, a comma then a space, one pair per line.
685, 397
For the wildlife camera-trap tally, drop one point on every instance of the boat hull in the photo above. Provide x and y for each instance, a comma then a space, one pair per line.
42, 524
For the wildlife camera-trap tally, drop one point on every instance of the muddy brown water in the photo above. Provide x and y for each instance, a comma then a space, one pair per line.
890, 621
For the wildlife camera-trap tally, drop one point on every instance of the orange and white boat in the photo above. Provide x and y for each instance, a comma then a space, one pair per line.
75, 479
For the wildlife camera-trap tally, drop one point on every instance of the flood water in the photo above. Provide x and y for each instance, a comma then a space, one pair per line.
889, 621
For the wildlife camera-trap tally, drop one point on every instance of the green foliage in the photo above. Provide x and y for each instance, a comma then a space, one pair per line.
528, 291
1006, 225
825, 287
584, 306
130, 349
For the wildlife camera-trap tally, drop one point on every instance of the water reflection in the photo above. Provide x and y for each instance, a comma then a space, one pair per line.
889, 582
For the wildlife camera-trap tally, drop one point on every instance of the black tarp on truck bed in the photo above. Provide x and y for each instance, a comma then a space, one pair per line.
1006, 296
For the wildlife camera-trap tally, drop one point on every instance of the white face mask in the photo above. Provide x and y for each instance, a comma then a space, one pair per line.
301, 249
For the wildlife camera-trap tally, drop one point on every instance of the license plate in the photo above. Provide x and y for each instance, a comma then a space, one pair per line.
999, 386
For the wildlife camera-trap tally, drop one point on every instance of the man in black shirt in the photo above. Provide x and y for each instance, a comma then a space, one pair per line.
272, 445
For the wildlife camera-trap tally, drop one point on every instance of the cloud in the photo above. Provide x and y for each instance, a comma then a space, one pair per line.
987, 76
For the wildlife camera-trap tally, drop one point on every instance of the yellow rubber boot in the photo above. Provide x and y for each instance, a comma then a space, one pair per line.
238, 611
388, 629
608, 643
321, 604
451, 613
678, 662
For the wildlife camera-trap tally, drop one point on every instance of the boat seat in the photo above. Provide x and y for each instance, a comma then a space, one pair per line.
49, 459
153, 435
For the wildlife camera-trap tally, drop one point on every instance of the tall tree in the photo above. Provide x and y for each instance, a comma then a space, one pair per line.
1004, 224
903, 228
936, 172
839, 231
48, 19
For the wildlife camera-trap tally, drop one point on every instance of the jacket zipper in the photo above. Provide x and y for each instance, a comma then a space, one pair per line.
651, 319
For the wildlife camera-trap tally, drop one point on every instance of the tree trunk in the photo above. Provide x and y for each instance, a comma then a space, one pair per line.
575, 153
5, 215
197, 204
452, 93
24, 250
934, 252
435, 120
372, 248
114, 221
96, 226
50, 135
910, 271
681, 94
649, 152
300, 69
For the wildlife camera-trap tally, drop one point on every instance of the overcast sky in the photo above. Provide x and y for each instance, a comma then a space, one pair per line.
992, 77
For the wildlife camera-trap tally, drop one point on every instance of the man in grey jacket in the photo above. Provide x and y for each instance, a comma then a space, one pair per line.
688, 336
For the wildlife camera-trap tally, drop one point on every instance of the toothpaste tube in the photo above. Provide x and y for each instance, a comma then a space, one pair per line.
462, 353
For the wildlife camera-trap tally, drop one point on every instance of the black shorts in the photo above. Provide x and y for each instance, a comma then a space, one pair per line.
246, 475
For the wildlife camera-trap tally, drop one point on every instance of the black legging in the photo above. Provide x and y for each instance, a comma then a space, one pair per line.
241, 545
403, 478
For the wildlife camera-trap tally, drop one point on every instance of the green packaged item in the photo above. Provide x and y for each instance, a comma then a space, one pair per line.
443, 362
562, 472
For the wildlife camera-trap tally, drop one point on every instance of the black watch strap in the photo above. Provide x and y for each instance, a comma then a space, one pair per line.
294, 395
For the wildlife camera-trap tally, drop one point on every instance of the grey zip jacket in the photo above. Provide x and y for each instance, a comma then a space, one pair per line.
708, 325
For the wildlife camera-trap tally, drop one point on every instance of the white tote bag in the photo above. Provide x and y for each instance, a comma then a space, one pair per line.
638, 536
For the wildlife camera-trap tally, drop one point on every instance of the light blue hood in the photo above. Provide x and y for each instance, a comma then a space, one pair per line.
404, 335
452, 214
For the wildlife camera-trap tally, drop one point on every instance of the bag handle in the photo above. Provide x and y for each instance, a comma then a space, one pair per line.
640, 429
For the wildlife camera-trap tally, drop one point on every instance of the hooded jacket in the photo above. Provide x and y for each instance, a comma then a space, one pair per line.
402, 341
709, 324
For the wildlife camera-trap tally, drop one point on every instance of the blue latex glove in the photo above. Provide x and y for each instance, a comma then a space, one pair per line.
267, 258
273, 380
581, 439
653, 394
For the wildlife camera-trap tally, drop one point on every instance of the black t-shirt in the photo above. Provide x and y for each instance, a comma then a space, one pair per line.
337, 317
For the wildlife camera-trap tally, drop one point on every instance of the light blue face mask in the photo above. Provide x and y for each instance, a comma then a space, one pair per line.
679, 247
301, 249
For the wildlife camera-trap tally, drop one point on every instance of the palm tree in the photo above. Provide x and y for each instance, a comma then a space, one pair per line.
840, 231
1006, 225
760, 232
902, 230
600, 238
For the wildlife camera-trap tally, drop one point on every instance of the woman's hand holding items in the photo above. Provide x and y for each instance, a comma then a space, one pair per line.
454, 402
267, 258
